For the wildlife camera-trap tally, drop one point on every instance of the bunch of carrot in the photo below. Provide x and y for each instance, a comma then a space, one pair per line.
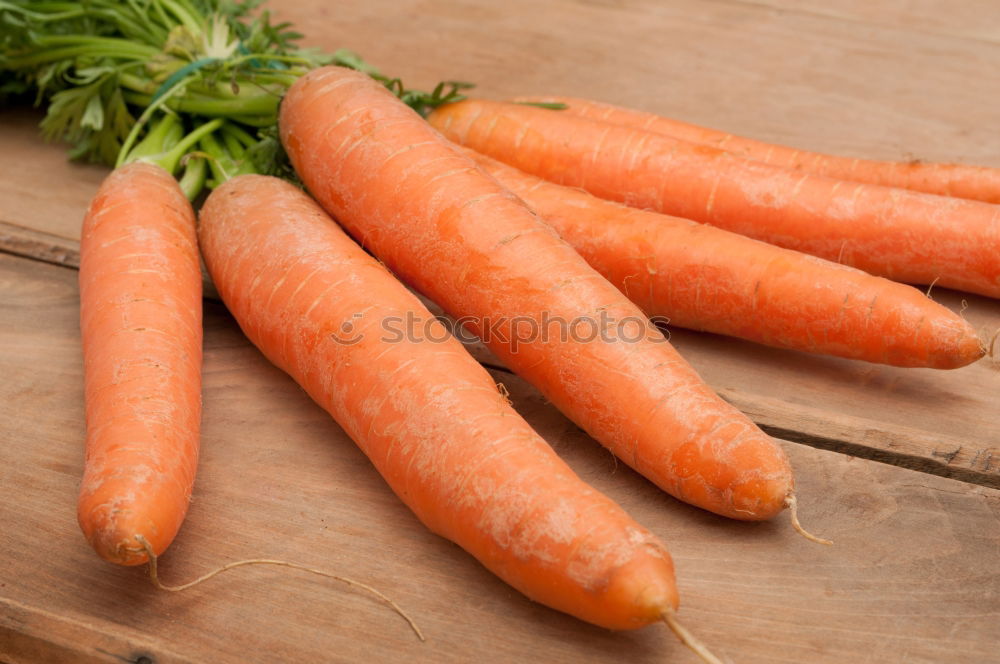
633, 158
497, 246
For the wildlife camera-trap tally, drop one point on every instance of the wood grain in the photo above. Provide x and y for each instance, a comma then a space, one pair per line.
785, 70
912, 577
939, 422
40, 190
967, 20
39, 245
884, 89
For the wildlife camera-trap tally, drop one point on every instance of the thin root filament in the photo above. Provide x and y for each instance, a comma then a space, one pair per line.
929, 288
792, 503
989, 348
154, 577
688, 639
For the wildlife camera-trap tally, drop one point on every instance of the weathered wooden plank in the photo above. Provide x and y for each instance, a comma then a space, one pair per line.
30, 634
900, 445
39, 188
968, 20
782, 75
881, 91
938, 421
912, 576
934, 421
39, 245
755, 68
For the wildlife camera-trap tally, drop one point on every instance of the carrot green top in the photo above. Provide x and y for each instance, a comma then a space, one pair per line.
182, 83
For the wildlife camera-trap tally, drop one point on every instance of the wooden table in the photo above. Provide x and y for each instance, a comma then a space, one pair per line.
900, 467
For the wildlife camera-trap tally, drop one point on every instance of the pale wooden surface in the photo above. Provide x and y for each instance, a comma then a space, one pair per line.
937, 421
965, 20
889, 80
912, 577
914, 574
786, 71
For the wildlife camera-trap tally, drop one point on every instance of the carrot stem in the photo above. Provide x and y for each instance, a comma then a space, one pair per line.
232, 144
220, 162
155, 579
792, 503
245, 139
687, 638
188, 16
262, 104
69, 52
161, 137
126, 149
193, 181
178, 151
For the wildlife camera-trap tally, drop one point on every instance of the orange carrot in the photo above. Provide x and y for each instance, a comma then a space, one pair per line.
705, 278
980, 183
426, 414
140, 315
903, 235
450, 230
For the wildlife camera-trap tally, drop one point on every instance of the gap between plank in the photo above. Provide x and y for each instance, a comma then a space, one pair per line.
771, 417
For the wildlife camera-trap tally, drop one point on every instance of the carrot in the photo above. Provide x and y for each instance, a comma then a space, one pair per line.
980, 183
445, 227
426, 414
705, 278
140, 316
903, 235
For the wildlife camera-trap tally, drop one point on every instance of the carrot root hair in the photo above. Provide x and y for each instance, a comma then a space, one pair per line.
989, 348
792, 503
155, 579
930, 287
504, 394
687, 638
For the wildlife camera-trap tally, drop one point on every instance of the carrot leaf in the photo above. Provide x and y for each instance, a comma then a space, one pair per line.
550, 105
102, 66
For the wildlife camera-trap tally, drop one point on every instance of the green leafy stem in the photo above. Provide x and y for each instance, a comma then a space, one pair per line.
193, 85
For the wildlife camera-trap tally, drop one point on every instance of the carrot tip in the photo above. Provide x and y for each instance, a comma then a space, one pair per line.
791, 502
155, 579
687, 638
